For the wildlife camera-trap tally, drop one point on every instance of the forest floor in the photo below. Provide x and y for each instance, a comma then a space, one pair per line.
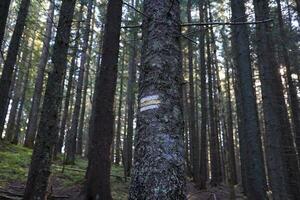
67, 180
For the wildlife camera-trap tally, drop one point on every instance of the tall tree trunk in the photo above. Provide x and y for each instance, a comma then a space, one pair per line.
230, 139
4, 8
39, 172
102, 120
295, 109
67, 101
131, 99
119, 122
284, 170
79, 146
251, 152
216, 176
159, 141
192, 126
38, 89
203, 147
72, 134
7, 72
17, 93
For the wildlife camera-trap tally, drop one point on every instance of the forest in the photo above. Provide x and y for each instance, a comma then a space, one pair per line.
150, 99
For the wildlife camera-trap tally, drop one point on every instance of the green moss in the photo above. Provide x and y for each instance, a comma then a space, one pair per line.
15, 161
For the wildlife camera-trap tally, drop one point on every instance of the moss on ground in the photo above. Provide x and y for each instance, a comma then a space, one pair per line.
15, 160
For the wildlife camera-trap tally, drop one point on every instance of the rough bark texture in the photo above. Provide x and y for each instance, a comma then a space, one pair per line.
102, 120
67, 101
203, 147
72, 134
7, 72
251, 136
158, 171
4, 8
284, 170
39, 172
192, 121
38, 89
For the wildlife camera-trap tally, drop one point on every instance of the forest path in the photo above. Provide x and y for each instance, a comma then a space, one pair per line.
214, 193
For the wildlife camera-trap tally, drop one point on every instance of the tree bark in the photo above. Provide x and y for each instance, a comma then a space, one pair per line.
38, 89
79, 147
131, 100
203, 147
192, 121
158, 171
39, 172
119, 122
251, 145
4, 8
284, 168
72, 134
102, 120
8, 69
67, 101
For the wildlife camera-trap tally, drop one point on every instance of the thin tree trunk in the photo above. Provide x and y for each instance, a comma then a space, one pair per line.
79, 147
39, 172
102, 120
250, 135
192, 126
131, 100
4, 8
67, 101
119, 122
38, 89
203, 148
295, 110
216, 176
159, 164
17, 93
7, 72
71, 138
22, 100
284, 170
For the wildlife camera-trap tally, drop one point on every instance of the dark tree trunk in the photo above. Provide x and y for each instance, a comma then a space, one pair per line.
38, 89
203, 147
119, 122
294, 103
230, 140
250, 135
158, 171
192, 126
8, 69
102, 120
79, 146
17, 93
4, 8
72, 134
216, 175
284, 170
39, 172
131, 101
67, 101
